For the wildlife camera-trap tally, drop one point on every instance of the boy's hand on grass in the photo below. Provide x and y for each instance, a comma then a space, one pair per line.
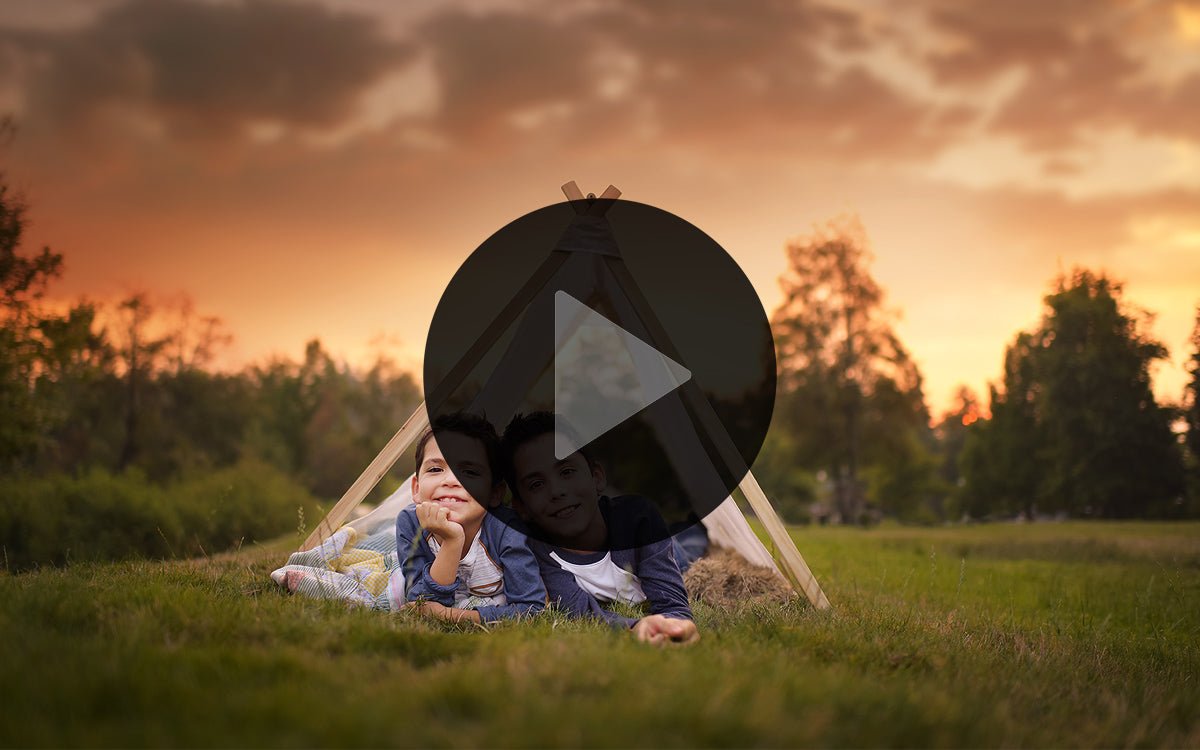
428, 609
660, 630
436, 519
442, 612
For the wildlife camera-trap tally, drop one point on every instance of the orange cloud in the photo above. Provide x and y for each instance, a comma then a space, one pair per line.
305, 171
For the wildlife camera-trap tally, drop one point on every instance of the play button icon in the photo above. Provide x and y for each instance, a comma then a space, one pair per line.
634, 336
589, 400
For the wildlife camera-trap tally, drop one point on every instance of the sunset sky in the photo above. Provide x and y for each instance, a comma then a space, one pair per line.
306, 169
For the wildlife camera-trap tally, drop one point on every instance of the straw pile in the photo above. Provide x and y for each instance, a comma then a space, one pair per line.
724, 579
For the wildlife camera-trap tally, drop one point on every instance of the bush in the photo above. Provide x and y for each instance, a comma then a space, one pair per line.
102, 516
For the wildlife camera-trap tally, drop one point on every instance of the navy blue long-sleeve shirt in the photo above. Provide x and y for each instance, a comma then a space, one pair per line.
641, 548
506, 546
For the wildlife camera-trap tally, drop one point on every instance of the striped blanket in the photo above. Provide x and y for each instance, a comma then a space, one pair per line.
361, 570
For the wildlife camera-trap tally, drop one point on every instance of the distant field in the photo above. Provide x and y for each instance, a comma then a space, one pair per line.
1075, 635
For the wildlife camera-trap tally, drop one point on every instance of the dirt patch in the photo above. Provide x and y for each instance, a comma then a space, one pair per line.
724, 579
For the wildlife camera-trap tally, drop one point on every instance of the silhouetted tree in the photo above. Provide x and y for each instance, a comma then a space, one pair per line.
73, 397
324, 422
951, 436
194, 340
23, 281
1191, 415
850, 393
1000, 459
78, 391
1076, 427
140, 353
791, 486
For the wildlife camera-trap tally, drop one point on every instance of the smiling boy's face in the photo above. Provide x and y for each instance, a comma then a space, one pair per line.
561, 497
456, 488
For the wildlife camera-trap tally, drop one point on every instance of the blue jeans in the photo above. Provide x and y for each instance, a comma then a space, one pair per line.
690, 545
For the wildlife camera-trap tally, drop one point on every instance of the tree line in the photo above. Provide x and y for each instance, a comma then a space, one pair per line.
135, 390
1072, 427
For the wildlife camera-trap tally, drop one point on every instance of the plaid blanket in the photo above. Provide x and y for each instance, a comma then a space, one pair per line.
349, 567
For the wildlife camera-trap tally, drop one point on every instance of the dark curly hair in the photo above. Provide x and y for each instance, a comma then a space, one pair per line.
472, 426
526, 427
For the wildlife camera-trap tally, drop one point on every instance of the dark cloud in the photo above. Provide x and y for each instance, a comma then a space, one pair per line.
493, 67
1080, 71
792, 77
760, 81
988, 38
1170, 110
205, 69
1092, 84
702, 73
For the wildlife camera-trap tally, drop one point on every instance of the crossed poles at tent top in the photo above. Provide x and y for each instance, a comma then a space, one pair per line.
637, 314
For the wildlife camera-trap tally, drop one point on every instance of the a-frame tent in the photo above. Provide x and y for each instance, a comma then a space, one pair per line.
726, 525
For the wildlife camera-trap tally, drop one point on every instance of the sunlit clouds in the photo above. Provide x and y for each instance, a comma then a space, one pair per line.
321, 169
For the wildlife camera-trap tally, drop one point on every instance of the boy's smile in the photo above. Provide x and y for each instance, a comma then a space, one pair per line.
564, 513
560, 496
456, 489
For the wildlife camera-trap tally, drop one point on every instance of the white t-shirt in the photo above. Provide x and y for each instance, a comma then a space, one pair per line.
605, 580
480, 578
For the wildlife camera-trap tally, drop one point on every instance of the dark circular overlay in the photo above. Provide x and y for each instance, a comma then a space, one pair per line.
571, 319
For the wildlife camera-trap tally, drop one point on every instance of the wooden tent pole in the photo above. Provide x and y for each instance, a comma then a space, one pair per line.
791, 561
573, 193
404, 437
802, 577
419, 421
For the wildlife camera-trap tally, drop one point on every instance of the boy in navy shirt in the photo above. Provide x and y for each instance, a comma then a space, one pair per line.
597, 550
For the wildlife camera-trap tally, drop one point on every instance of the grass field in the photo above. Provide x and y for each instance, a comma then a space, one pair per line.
1071, 635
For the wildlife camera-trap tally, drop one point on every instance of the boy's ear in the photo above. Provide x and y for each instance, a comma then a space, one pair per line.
497, 496
519, 507
599, 477
416, 486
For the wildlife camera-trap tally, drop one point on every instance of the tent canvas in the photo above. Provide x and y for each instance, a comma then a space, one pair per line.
726, 525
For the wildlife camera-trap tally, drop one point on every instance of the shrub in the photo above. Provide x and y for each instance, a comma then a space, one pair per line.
248, 502
103, 516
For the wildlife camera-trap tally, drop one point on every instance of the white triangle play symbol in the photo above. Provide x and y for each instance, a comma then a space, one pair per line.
603, 374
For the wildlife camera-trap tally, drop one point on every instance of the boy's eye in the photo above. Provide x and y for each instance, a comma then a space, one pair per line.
567, 471
533, 485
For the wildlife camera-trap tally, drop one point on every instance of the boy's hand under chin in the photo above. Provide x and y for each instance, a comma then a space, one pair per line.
436, 519
660, 630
